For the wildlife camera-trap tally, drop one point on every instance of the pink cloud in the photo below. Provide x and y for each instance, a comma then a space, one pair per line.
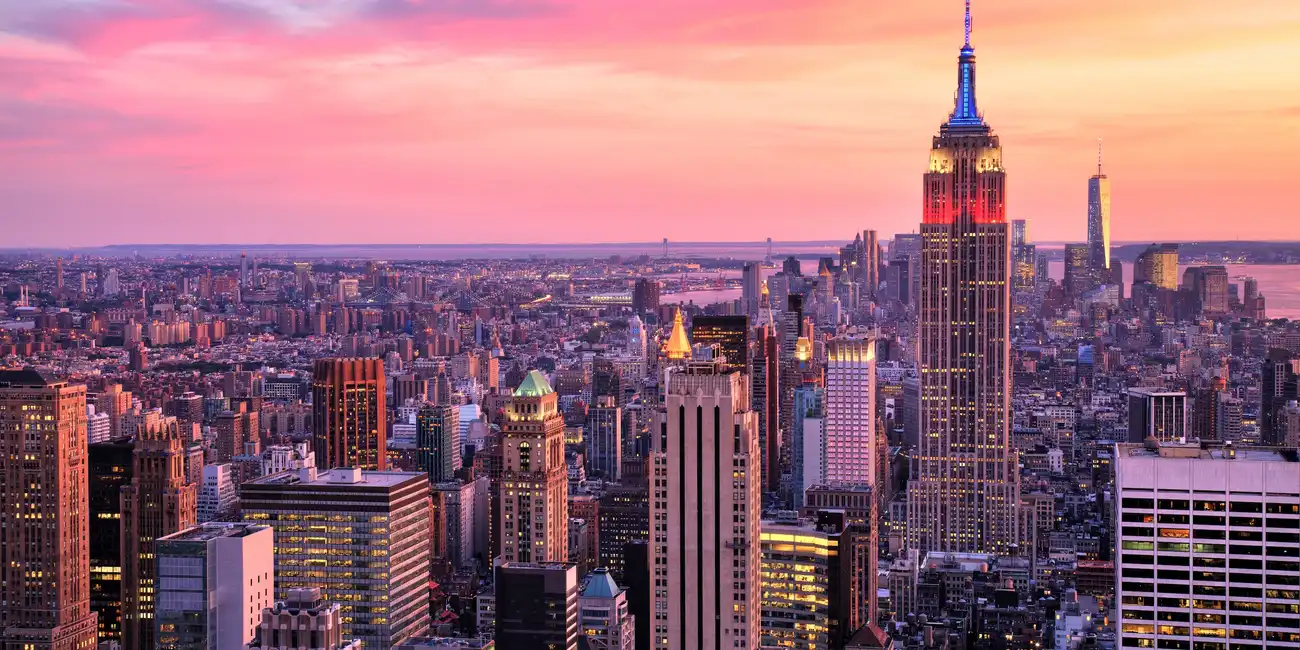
455, 120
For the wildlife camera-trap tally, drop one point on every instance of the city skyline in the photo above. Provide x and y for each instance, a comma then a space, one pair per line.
496, 121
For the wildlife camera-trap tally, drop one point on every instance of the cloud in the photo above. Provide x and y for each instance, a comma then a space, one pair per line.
119, 26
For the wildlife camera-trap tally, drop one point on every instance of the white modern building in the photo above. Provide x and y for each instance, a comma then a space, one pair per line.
99, 426
218, 495
850, 422
1208, 546
214, 581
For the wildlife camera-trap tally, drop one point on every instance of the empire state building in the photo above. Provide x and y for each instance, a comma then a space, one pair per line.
965, 487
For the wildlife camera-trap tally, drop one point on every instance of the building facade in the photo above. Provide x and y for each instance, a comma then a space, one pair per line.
534, 488
213, 582
44, 484
362, 537
159, 501
850, 413
349, 413
965, 483
1208, 546
704, 512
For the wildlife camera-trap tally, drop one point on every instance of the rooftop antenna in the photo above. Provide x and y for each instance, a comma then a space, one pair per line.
967, 23
1099, 156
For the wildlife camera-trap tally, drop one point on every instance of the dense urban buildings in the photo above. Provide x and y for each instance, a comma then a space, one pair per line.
956, 438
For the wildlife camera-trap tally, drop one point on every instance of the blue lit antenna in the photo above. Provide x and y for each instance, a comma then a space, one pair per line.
967, 23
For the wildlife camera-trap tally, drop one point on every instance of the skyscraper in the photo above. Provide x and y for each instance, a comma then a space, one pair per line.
437, 441
1156, 413
1099, 219
1158, 265
870, 263
111, 465
349, 413
159, 501
729, 333
373, 557
850, 412
604, 437
751, 282
45, 593
1079, 272
645, 296
1230, 514
765, 401
535, 480
706, 516
965, 484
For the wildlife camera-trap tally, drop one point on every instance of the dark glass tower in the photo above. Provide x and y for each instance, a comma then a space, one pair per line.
964, 488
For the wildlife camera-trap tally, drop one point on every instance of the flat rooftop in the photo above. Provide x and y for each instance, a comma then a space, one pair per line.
1209, 451
214, 530
340, 478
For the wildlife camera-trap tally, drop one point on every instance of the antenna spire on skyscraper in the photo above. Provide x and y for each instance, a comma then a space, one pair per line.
1099, 156
967, 23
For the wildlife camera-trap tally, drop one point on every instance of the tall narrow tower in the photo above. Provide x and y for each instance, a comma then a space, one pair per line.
535, 481
46, 551
1099, 218
965, 486
706, 511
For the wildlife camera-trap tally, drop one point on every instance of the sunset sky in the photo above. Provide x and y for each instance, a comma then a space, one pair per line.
441, 121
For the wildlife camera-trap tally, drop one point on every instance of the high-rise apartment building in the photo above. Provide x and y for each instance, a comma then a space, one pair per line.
1157, 413
965, 483
808, 441
111, 466
1024, 256
349, 413
1208, 545
850, 411
437, 441
705, 512
537, 606
303, 621
159, 501
535, 480
214, 581
729, 333
624, 518
45, 591
361, 537
1099, 219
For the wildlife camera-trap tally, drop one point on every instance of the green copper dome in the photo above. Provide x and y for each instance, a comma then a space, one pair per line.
534, 385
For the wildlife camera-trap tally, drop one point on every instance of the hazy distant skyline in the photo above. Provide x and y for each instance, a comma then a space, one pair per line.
515, 121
